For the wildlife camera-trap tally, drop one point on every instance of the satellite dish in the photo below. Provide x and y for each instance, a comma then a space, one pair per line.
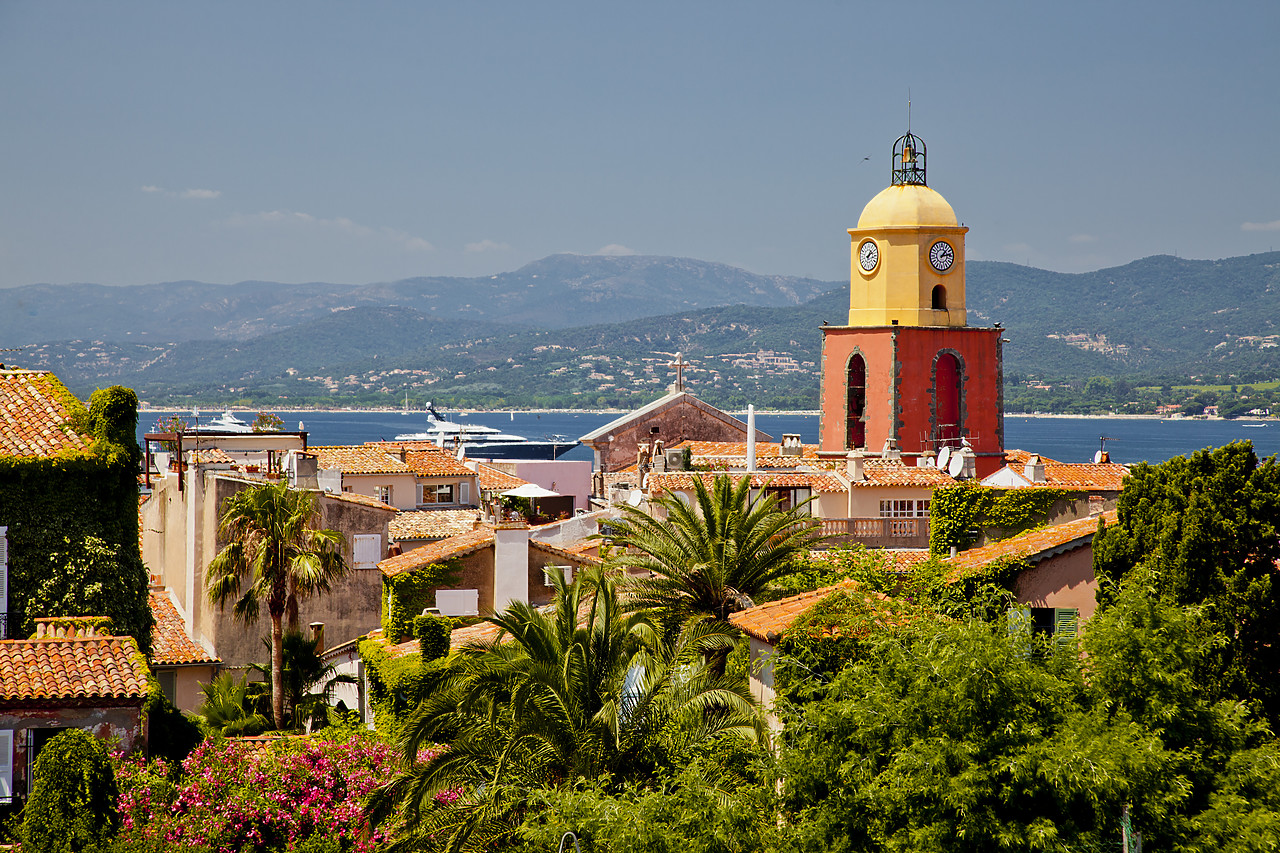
957, 465
1097, 458
944, 456
462, 452
635, 498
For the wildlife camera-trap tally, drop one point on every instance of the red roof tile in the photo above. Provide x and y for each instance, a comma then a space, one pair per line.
682, 481
445, 549
35, 415
75, 668
360, 459
432, 523
1030, 544
436, 463
881, 472
496, 480
1101, 476
170, 643
769, 621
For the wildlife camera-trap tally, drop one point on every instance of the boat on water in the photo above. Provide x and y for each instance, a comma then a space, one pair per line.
484, 442
225, 422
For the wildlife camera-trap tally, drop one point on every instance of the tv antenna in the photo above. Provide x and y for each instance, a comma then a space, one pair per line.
1102, 448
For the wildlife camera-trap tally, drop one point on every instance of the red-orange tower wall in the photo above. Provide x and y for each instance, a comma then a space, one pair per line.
901, 399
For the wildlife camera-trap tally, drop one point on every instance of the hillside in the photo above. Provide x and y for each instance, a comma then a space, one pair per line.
1159, 317
555, 292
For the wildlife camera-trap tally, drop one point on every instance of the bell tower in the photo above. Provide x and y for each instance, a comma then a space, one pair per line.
908, 373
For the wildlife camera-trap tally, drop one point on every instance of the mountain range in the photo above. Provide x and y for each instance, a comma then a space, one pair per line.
590, 331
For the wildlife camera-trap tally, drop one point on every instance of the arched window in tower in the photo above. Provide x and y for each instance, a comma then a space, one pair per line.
939, 298
856, 427
946, 400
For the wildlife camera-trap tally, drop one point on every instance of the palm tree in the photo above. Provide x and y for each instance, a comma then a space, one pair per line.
711, 557
582, 691
273, 556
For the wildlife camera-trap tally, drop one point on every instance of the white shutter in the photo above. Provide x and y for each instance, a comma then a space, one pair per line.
464, 492
458, 602
366, 550
6, 765
4, 584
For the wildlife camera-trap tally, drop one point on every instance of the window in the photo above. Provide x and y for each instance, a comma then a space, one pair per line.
4, 583
168, 680
1060, 623
904, 509
438, 493
366, 550
546, 574
382, 493
6, 766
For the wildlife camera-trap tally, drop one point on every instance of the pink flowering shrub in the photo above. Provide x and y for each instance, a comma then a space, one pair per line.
295, 793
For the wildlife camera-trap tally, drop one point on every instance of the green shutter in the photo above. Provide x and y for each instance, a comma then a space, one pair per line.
1066, 624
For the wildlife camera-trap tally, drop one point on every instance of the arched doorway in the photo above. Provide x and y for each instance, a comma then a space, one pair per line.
946, 400
856, 428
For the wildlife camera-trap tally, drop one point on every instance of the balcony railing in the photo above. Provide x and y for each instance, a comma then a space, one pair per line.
877, 532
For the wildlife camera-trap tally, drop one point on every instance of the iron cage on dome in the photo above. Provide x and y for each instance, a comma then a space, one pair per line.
909, 161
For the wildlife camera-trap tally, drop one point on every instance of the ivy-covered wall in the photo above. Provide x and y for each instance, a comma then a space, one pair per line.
405, 596
72, 523
960, 515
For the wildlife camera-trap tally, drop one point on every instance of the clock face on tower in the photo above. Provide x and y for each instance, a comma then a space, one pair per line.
941, 256
869, 255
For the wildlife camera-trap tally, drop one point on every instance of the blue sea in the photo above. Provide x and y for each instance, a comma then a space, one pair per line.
1129, 440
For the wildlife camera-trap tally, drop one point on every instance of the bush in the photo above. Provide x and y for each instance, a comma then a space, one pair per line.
297, 794
73, 799
432, 633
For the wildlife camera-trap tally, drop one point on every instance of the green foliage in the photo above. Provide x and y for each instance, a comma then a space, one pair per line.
396, 684
72, 806
84, 578
406, 595
234, 706
559, 699
959, 514
73, 523
689, 813
174, 423
432, 633
171, 734
1206, 531
711, 556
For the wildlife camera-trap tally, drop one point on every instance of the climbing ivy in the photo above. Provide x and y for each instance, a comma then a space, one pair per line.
396, 683
959, 514
406, 595
66, 512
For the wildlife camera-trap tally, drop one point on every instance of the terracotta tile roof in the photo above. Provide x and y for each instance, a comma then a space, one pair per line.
578, 556
360, 459
454, 546
35, 415
880, 472
709, 450
1100, 476
496, 480
893, 559
436, 463
1041, 542
769, 621
363, 500
586, 548
432, 523
170, 643
210, 456
73, 668
682, 481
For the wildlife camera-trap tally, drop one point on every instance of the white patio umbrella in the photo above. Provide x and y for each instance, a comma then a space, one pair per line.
532, 491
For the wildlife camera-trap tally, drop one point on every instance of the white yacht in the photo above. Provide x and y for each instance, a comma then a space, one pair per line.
486, 442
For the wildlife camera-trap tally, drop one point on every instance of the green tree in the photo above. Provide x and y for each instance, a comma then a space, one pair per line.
89, 577
584, 691
72, 807
712, 556
1206, 531
274, 556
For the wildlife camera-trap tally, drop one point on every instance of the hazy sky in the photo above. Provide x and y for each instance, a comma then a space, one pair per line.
359, 142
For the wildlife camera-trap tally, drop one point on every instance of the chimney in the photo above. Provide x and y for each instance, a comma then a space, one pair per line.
751, 439
853, 466
969, 468
1034, 470
891, 452
928, 459
791, 445
317, 636
510, 564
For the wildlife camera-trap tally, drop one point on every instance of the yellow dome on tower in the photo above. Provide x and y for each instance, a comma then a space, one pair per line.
907, 206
